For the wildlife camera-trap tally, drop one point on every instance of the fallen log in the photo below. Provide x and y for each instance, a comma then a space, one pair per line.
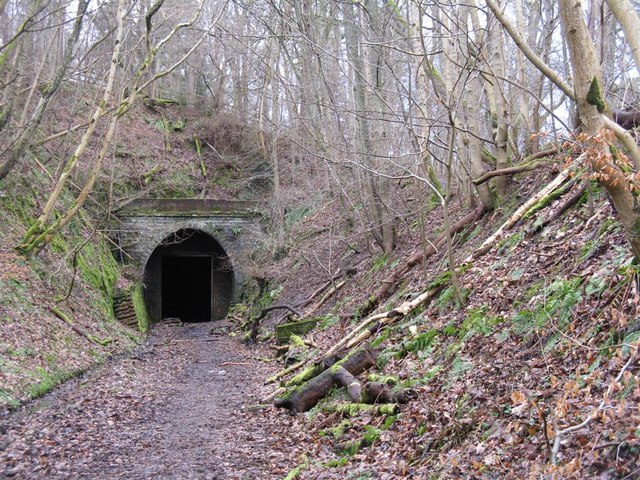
285, 372
307, 301
285, 331
566, 205
264, 311
368, 327
92, 338
376, 392
307, 395
370, 392
390, 284
353, 409
527, 165
349, 272
517, 215
255, 323
325, 297
350, 382
508, 171
269, 398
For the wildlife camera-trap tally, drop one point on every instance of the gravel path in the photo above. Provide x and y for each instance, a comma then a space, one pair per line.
182, 406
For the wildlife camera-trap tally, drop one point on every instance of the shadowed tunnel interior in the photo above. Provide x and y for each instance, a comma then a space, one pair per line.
188, 276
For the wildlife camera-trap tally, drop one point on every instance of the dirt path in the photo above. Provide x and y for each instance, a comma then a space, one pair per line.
183, 406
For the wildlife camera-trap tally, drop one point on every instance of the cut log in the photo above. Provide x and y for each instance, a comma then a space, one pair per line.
376, 392
352, 384
517, 215
566, 205
370, 392
306, 396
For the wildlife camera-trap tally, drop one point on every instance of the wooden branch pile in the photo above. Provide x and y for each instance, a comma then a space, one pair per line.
327, 290
306, 396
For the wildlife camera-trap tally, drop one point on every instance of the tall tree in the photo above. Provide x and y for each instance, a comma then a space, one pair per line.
628, 17
592, 109
27, 128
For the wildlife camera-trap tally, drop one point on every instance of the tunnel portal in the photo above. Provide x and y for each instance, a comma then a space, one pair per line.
191, 255
189, 276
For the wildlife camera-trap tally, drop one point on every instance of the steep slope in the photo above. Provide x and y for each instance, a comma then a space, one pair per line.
536, 373
56, 316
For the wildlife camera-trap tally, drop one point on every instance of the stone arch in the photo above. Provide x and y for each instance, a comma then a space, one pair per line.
188, 274
156, 236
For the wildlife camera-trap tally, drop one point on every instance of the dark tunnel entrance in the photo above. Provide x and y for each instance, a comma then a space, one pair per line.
188, 276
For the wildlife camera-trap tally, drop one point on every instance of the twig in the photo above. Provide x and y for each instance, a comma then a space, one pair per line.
326, 297
285, 372
174, 342
508, 171
272, 395
266, 310
543, 416
91, 338
631, 475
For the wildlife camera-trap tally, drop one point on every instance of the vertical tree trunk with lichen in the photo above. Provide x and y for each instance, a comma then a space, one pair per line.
592, 109
500, 106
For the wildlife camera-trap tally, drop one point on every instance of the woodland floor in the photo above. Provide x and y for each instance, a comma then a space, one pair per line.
179, 407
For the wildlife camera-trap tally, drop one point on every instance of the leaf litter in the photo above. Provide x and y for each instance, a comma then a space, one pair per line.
546, 341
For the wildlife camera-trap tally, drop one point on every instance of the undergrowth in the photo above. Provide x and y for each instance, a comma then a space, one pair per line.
77, 274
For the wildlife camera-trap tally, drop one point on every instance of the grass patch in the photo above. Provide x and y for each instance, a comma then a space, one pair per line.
555, 303
8, 400
459, 368
448, 299
479, 322
48, 380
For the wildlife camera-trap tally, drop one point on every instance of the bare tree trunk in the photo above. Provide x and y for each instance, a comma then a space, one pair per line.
377, 197
591, 108
26, 136
500, 116
628, 17
41, 232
